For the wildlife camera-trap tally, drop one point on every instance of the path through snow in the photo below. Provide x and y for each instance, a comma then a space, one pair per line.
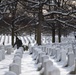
28, 65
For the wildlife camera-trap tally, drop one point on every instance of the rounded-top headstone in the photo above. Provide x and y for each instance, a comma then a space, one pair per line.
53, 71
18, 54
14, 67
70, 59
9, 51
44, 58
0, 55
17, 59
47, 64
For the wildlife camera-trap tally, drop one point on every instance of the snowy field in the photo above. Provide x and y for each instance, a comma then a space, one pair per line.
28, 66
4, 64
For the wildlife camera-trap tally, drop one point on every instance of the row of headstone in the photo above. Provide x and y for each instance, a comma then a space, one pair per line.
15, 66
48, 39
63, 55
44, 64
2, 53
60, 52
9, 49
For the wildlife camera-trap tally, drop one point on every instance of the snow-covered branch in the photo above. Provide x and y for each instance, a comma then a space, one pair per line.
6, 23
25, 25
63, 22
60, 13
31, 1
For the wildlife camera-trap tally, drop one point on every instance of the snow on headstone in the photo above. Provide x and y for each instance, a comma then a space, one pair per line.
8, 50
23, 41
3, 54
2, 40
0, 55
70, 59
19, 51
44, 58
31, 50
12, 49
40, 55
18, 54
53, 52
18, 61
3, 51
38, 58
26, 40
39, 66
47, 65
58, 55
63, 58
53, 71
14, 67
21, 48
46, 50
35, 55
9, 40
49, 51
74, 48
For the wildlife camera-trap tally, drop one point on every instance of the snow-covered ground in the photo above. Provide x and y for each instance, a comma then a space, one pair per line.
63, 70
4, 64
28, 66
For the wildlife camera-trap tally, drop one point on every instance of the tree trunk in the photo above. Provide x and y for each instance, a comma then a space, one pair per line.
59, 33
53, 33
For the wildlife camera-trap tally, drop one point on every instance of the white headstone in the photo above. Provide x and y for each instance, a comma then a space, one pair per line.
21, 48
44, 58
18, 54
63, 56
53, 53
17, 60
40, 55
9, 51
47, 65
49, 51
19, 51
14, 67
53, 71
58, 55
3, 54
70, 59
0, 55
